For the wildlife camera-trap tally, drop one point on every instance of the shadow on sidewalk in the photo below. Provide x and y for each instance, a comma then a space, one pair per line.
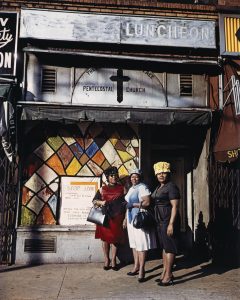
4, 269
193, 269
203, 269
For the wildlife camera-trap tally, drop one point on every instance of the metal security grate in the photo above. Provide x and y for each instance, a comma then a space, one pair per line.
8, 208
185, 84
49, 77
40, 245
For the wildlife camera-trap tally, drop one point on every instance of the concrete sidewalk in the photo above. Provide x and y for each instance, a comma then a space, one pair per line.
90, 281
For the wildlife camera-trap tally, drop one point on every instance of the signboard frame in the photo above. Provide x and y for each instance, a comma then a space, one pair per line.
12, 48
118, 29
74, 213
222, 35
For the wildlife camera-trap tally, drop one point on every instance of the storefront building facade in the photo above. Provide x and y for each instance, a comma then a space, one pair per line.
225, 160
122, 87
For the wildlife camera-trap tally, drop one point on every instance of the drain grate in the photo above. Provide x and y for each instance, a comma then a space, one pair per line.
40, 245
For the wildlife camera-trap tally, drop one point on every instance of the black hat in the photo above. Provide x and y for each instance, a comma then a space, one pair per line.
111, 171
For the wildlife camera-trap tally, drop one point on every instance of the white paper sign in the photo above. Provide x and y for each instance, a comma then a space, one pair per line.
76, 199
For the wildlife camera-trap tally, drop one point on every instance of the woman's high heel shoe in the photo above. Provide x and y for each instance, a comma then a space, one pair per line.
142, 278
167, 283
132, 273
106, 266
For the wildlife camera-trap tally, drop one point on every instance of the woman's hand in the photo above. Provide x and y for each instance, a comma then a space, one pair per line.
99, 203
170, 230
125, 223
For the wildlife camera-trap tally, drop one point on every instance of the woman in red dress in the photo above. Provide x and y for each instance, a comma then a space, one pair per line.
112, 197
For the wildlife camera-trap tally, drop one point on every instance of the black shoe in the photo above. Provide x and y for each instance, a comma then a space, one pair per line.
170, 282
115, 268
132, 273
106, 268
142, 279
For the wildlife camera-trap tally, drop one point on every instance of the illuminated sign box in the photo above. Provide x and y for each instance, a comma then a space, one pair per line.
229, 35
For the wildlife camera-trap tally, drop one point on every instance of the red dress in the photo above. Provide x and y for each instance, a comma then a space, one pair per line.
114, 232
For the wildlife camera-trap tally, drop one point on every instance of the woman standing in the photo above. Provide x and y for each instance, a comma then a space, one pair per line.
112, 197
166, 199
140, 240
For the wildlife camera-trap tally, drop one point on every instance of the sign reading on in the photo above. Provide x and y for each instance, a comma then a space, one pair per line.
8, 43
116, 29
76, 199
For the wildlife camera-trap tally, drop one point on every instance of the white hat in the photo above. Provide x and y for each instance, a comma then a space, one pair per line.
135, 171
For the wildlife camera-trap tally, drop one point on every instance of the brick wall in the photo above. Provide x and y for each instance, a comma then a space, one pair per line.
142, 7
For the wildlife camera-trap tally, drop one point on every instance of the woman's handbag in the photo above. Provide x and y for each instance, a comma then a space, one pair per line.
97, 215
144, 219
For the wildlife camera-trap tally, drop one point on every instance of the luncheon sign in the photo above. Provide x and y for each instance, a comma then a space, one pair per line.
8, 43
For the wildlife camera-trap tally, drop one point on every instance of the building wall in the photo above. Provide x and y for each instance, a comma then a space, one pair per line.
128, 7
59, 152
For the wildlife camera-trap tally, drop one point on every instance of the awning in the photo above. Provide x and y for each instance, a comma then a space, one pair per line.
147, 61
163, 116
227, 146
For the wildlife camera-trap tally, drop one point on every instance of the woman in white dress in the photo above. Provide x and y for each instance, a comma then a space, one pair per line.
140, 240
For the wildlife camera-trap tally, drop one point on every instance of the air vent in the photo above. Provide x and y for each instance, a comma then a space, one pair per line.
40, 245
186, 85
49, 77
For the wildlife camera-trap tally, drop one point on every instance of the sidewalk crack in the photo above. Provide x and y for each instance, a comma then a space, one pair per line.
62, 283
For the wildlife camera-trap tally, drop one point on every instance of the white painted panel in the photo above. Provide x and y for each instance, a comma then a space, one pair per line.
144, 89
69, 26
109, 28
198, 99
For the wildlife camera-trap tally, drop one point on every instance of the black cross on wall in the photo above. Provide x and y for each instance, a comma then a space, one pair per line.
120, 79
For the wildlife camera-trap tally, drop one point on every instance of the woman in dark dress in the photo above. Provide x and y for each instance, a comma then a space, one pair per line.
166, 200
111, 196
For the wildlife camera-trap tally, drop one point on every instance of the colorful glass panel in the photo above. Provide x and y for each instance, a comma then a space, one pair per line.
84, 149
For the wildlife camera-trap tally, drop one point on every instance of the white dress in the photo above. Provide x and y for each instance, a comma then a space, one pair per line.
139, 239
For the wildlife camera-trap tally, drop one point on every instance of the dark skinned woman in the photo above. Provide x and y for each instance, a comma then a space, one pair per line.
166, 200
111, 196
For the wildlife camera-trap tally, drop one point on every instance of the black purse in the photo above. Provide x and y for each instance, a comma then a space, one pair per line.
97, 215
144, 219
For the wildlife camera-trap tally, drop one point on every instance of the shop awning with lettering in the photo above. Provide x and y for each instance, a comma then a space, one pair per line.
163, 116
227, 146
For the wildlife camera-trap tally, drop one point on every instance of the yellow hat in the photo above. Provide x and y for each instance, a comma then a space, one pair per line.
161, 166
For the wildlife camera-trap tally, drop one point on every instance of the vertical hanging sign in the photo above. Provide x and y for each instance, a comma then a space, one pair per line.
8, 43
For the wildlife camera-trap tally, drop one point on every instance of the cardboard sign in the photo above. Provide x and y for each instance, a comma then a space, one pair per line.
76, 199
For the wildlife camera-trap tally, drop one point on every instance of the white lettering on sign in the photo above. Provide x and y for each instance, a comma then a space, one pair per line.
166, 31
6, 60
5, 35
109, 28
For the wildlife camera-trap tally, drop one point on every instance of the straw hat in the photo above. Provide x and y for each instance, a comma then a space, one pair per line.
161, 167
